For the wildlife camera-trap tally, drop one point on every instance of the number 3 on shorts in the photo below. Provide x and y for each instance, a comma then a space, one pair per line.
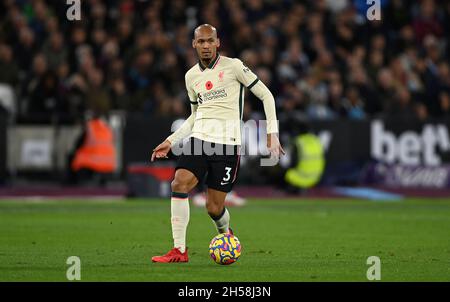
227, 174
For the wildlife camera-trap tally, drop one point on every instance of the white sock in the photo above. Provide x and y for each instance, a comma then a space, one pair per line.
179, 207
222, 222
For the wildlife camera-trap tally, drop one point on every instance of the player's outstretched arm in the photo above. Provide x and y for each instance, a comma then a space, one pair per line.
264, 94
251, 81
186, 128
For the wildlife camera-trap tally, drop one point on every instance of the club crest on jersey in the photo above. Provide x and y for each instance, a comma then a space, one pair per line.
221, 76
209, 85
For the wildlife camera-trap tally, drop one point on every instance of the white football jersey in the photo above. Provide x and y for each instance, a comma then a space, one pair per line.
216, 93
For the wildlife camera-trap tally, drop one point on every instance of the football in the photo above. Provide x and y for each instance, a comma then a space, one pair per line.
225, 249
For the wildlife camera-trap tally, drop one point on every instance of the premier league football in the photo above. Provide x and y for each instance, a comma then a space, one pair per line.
224, 148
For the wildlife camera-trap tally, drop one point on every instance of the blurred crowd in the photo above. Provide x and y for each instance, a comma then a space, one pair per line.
320, 58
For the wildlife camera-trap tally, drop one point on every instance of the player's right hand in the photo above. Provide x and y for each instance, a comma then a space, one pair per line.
274, 146
161, 150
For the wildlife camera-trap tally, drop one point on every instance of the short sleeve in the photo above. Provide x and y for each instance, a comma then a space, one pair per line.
244, 75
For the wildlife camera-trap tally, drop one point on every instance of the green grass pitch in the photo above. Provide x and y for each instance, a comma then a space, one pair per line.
282, 240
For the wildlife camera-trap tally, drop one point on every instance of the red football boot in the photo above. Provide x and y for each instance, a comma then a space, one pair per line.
174, 255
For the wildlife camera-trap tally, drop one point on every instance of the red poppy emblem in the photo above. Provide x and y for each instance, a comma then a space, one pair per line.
208, 85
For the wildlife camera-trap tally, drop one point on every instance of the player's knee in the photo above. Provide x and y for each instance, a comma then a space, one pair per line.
179, 186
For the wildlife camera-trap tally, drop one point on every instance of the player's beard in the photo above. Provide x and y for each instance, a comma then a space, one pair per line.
206, 62
207, 58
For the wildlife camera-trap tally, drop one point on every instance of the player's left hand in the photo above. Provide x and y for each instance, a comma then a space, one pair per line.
274, 146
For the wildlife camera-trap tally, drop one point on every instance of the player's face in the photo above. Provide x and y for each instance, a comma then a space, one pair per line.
206, 44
